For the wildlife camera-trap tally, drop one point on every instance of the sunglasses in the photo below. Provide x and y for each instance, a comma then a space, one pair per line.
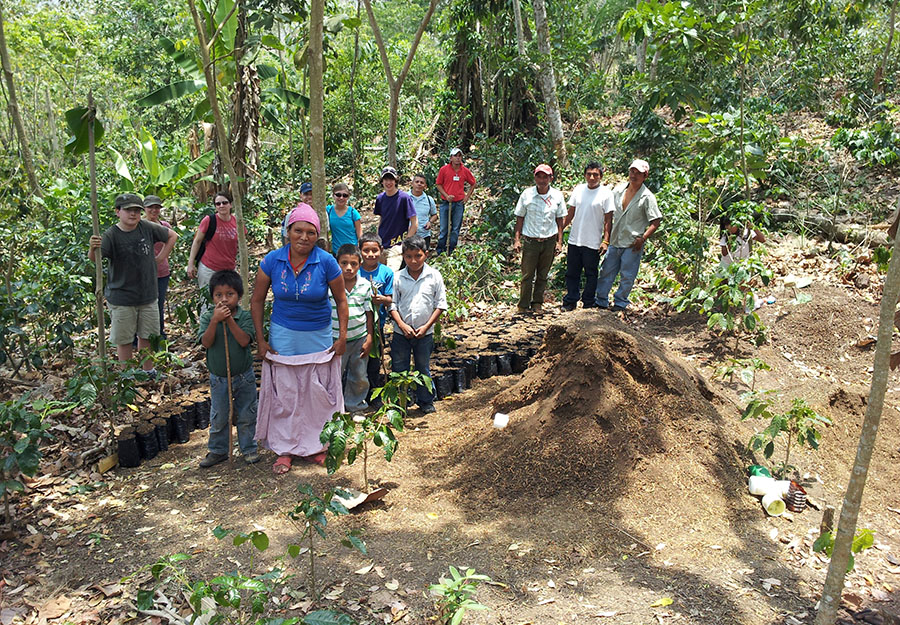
341, 195
225, 203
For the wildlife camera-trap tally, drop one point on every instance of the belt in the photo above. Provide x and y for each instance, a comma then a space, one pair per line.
538, 239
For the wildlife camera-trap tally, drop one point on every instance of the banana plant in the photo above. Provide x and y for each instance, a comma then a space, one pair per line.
157, 178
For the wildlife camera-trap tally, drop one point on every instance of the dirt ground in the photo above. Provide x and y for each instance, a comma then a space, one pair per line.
617, 494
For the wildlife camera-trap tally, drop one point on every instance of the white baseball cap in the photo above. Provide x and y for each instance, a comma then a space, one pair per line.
640, 165
455, 151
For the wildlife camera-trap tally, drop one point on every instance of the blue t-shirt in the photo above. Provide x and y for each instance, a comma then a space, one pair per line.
425, 208
395, 211
343, 229
301, 302
383, 279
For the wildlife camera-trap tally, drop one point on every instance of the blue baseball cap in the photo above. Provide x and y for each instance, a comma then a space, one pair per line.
306, 187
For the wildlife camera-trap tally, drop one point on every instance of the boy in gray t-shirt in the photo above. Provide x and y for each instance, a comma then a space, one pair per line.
131, 284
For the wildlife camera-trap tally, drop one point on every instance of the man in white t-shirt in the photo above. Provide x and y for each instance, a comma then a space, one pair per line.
590, 213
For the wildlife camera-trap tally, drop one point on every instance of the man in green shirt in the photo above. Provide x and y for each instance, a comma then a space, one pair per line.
635, 219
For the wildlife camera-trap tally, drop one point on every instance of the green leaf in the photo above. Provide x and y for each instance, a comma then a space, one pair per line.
220, 532
223, 9
266, 72
293, 550
172, 91
144, 599
286, 95
149, 154
77, 121
260, 540
354, 542
823, 542
271, 41
326, 617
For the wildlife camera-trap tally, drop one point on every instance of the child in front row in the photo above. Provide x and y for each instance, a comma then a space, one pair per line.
381, 277
419, 299
228, 317
360, 328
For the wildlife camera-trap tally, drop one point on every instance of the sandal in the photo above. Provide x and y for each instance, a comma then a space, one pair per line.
318, 458
282, 465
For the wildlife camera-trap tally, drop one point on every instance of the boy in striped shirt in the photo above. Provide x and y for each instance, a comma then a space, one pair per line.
360, 328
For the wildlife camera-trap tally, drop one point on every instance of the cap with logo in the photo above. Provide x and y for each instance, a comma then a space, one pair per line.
544, 168
389, 172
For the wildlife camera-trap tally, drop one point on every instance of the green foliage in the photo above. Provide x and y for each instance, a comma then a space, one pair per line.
879, 144
474, 275
22, 430
347, 435
728, 300
799, 425
454, 595
236, 597
864, 539
95, 379
313, 509
746, 369
881, 256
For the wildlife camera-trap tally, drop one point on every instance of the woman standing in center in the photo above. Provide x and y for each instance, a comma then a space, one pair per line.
301, 378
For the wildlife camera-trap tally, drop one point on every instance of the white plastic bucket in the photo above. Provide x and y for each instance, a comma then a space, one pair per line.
773, 504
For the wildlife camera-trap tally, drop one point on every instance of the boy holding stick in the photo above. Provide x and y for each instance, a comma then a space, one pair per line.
226, 331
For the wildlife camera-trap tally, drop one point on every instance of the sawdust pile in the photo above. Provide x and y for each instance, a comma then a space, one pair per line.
602, 410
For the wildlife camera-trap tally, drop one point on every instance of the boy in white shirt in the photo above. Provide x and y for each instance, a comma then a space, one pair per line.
418, 301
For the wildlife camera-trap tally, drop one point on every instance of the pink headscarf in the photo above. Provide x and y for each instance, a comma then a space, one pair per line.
304, 212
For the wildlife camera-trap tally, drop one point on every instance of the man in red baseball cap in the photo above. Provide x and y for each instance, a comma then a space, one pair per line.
538, 234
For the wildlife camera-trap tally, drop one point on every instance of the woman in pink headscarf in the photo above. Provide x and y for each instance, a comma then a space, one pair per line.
300, 387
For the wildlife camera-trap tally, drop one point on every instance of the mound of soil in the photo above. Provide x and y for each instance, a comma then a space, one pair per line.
605, 413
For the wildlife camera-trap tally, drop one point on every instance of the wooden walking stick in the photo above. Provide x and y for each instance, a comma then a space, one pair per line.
230, 397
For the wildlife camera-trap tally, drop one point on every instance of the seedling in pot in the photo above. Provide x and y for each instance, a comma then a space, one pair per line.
347, 435
312, 510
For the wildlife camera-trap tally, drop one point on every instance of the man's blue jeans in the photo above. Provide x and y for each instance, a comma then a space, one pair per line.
621, 261
420, 349
243, 390
451, 214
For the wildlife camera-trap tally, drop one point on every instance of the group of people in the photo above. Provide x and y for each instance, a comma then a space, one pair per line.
613, 223
329, 308
321, 331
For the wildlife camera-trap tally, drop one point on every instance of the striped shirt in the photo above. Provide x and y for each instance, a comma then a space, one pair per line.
359, 300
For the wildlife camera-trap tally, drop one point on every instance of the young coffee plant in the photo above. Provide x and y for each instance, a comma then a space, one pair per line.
454, 595
746, 369
798, 426
237, 597
22, 430
863, 540
728, 300
312, 510
347, 435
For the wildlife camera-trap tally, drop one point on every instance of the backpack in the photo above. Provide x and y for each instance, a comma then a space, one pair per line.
210, 233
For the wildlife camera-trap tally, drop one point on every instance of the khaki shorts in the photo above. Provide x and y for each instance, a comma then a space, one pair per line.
128, 321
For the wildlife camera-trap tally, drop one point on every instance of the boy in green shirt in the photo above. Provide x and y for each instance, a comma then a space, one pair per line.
226, 289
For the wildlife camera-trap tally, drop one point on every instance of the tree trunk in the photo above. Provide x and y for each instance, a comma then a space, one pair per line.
547, 80
353, 66
520, 31
245, 112
317, 112
27, 161
225, 153
840, 557
394, 86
